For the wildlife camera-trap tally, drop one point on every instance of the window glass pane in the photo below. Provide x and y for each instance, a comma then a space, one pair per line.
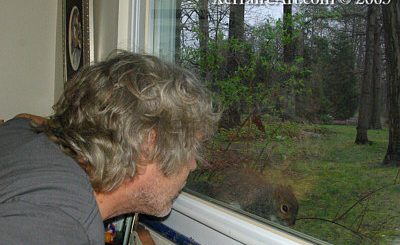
291, 85
164, 29
153, 28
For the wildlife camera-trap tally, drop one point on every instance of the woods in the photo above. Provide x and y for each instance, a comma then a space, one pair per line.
282, 81
318, 64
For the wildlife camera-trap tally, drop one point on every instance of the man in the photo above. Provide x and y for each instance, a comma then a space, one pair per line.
124, 137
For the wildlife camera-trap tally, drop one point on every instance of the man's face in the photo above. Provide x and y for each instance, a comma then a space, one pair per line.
156, 192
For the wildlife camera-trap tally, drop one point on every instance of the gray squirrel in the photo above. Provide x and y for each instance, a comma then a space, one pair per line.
248, 190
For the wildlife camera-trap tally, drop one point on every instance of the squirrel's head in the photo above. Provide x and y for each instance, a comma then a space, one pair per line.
276, 203
285, 205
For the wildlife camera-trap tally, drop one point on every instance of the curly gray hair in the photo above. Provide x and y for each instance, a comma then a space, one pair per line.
109, 109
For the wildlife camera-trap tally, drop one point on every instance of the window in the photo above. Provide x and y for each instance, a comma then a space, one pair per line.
149, 27
289, 77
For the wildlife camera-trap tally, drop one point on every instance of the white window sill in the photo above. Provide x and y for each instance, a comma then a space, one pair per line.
208, 223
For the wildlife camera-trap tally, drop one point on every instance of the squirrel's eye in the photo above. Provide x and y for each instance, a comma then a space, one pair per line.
284, 208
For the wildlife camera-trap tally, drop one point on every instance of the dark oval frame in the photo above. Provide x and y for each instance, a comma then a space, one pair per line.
79, 40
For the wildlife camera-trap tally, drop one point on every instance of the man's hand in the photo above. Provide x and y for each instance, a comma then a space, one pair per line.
37, 119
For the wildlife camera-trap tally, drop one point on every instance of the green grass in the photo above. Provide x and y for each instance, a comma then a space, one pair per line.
329, 174
345, 173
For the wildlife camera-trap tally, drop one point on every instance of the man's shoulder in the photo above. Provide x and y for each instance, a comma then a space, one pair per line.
24, 222
37, 171
15, 132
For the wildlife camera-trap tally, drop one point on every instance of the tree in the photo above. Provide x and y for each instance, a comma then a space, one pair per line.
236, 22
365, 100
288, 59
231, 117
391, 25
340, 83
203, 38
375, 119
333, 60
288, 40
178, 31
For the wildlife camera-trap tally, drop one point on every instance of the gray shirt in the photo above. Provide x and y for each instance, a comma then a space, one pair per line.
45, 197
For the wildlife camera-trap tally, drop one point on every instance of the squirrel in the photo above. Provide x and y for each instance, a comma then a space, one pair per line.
248, 190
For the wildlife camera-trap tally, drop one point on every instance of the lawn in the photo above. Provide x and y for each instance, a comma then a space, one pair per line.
345, 195
348, 175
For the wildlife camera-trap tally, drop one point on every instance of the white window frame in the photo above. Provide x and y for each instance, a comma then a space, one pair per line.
208, 223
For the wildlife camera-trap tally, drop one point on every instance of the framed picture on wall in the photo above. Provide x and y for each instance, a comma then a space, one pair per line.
76, 49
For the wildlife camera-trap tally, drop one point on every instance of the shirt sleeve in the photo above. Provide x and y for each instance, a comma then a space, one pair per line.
27, 223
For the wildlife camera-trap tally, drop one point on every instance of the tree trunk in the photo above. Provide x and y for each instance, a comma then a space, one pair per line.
288, 58
203, 38
236, 36
391, 24
178, 32
365, 100
231, 117
375, 120
236, 22
288, 43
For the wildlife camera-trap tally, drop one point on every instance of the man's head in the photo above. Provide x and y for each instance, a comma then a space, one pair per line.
118, 116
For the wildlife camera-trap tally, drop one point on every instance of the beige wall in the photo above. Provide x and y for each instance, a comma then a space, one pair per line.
58, 56
105, 18
31, 59
28, 64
